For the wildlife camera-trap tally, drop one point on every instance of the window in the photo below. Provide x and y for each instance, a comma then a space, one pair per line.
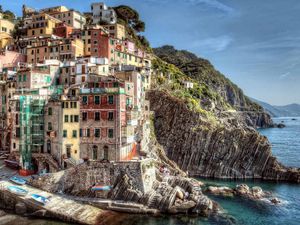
65, 133
110, 133
97, 100
111, 99
41, 31
105, 152
80, 132
49, 126
76, 118
97, 116
84, 100
66, 118
88, 132
49, 111
73, 104
97, 132
32, 52
24, 78
45, 49
74, 134
20, 78
18, 132
71, 118
110, 116
84, 116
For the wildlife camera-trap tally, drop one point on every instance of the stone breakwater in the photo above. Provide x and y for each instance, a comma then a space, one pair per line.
132, 182
230, 150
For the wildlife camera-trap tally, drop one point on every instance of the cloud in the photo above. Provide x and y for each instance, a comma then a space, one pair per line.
284, 75
211, 4
215, 44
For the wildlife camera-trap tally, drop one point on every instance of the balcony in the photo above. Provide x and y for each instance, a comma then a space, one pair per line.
102, 91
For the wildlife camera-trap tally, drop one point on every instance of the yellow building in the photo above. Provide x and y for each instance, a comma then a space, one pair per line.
70, 127
116, 30
5, 40
6, 26
42, 25
55, 9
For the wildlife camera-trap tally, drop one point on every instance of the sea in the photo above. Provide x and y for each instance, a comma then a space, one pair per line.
285, 146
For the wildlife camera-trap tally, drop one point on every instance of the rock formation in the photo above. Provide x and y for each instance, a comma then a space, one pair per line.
229, 150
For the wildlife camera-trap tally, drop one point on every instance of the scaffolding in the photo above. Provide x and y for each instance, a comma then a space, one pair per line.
31, 129
32, 124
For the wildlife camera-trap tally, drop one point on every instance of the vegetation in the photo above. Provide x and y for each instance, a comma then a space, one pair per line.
8, 15
203, 72
167, 77
130, 18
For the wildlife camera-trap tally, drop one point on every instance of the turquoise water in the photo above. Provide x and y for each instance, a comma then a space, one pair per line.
286, 146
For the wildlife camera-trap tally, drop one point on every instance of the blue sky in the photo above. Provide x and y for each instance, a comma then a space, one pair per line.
253, 42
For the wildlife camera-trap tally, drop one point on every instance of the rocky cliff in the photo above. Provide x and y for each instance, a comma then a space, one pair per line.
226, 149
209, 129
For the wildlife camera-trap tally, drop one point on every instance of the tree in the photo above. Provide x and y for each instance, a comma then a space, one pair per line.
131, 18
139, 26
1, 10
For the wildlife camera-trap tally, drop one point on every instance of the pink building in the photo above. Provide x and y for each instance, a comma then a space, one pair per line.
10, 59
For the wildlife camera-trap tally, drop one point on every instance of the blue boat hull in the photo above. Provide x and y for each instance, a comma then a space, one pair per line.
17, 190
17, 180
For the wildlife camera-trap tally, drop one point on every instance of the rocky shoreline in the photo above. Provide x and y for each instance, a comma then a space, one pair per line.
230, 149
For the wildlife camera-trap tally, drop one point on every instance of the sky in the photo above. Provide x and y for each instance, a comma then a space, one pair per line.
254, 43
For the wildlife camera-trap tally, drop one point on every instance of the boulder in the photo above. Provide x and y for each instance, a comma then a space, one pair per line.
275, 201
242, 189
257, 192
224, 191
20, 208
2, 213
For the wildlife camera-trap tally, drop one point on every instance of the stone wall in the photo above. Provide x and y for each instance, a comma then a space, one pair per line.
79, 179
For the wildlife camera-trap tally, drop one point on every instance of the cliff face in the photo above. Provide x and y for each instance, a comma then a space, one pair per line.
230, 149
203, 72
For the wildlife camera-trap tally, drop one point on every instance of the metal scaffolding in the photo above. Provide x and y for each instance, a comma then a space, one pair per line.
31, 129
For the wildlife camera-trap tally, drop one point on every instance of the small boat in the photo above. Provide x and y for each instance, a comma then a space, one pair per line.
17, 190
101, 188
18, 180
40, 199
12, 164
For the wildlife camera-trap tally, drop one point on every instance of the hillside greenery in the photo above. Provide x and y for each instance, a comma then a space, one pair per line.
203, 72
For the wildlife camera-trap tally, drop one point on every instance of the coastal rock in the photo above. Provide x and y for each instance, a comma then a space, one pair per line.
20, 208
224, 191
275, 201
2, 213
281, 125
219, 149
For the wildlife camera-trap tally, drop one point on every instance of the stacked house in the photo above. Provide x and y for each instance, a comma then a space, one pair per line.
72, 91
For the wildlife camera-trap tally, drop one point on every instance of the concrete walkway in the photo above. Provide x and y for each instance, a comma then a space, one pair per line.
61, 208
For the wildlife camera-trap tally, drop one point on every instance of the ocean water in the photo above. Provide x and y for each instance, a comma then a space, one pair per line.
286, 146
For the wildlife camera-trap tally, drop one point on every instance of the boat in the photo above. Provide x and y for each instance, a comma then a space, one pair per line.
18, 180
40, 199
17, 190
101, 188
12, 164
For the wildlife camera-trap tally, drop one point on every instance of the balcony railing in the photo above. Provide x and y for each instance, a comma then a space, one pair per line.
102, 90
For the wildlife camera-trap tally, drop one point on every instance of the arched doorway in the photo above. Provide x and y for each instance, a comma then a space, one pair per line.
95, 152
